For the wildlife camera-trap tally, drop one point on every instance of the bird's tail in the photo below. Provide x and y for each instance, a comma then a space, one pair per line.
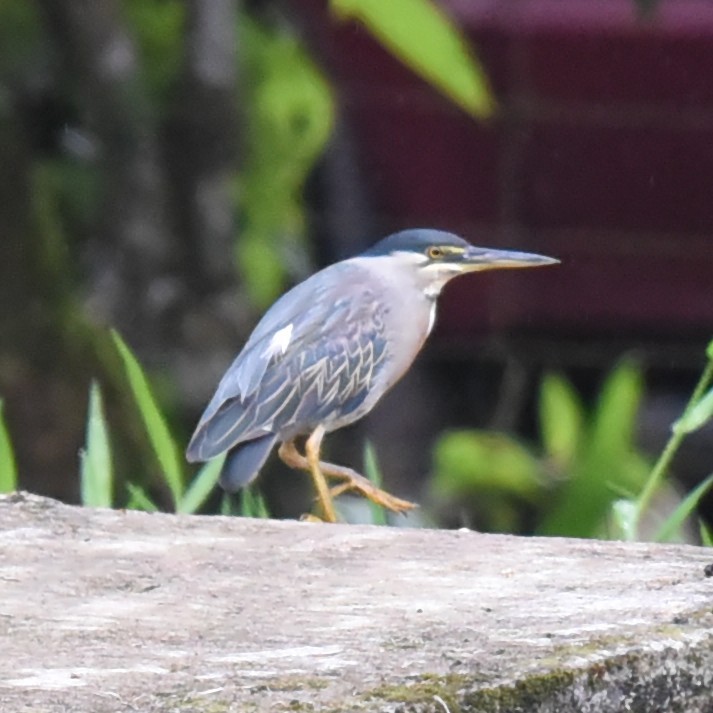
243, 463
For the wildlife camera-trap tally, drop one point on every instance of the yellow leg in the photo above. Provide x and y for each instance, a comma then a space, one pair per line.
351, 479
292, 457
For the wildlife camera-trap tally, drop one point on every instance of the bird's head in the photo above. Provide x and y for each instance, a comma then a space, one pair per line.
436, 256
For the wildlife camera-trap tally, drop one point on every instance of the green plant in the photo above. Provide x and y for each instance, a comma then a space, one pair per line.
157, 430
587, 478
97, 476
8, 467
596, 451
252, 504
696, 414
185, 499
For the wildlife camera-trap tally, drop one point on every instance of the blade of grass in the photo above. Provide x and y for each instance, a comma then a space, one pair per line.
227, 505
252, 504
96, 474
138, 500
160, 437
706, 534
685, 509
8, 467
373, 473
201, 486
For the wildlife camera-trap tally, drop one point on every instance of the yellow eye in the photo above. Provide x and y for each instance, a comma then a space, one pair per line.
435, 253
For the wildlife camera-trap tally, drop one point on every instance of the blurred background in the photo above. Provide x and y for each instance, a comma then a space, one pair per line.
169, 167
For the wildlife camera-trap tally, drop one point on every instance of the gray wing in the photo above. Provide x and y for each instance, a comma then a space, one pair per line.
323, 366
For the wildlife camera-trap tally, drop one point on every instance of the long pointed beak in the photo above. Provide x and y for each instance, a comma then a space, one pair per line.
489, 259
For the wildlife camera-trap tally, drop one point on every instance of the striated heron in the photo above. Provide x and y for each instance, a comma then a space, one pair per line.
327, 351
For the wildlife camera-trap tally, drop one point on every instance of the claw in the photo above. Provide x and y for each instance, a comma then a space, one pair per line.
309, 517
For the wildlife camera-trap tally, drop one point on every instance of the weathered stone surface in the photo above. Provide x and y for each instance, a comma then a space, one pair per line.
123, 611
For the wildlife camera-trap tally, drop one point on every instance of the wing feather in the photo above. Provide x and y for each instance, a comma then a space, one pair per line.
325, 370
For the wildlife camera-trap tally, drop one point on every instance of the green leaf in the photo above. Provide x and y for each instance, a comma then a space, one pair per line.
561, 419
706, 534
373, 473
697, 416
96, 475
8, 467
470, 461
673, 523
616, 411
138, 500
159, 435
421, 35
201, 486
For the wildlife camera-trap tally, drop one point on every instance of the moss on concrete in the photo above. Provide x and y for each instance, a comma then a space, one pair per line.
424, 690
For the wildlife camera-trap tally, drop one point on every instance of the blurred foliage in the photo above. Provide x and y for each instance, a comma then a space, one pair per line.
587, 461
604, 462
158, 29
289, 114
706, 535
585, 480
252, 504
20, 37
576, 484
8, 467
96, 472
422, 36
490, 474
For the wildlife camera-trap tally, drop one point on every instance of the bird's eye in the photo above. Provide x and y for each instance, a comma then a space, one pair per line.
435, 253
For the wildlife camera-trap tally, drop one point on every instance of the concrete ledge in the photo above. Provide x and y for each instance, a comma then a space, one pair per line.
123, 611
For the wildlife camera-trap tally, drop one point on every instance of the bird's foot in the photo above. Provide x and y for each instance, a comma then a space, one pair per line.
353, 482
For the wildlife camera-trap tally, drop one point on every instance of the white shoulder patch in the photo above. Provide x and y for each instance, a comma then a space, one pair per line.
279, 342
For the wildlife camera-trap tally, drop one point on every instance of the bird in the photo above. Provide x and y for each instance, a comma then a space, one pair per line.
327, 351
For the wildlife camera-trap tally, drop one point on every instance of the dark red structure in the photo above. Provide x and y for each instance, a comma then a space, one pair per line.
601, 154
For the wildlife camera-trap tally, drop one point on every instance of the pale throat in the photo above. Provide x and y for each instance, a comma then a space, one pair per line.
433, 288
